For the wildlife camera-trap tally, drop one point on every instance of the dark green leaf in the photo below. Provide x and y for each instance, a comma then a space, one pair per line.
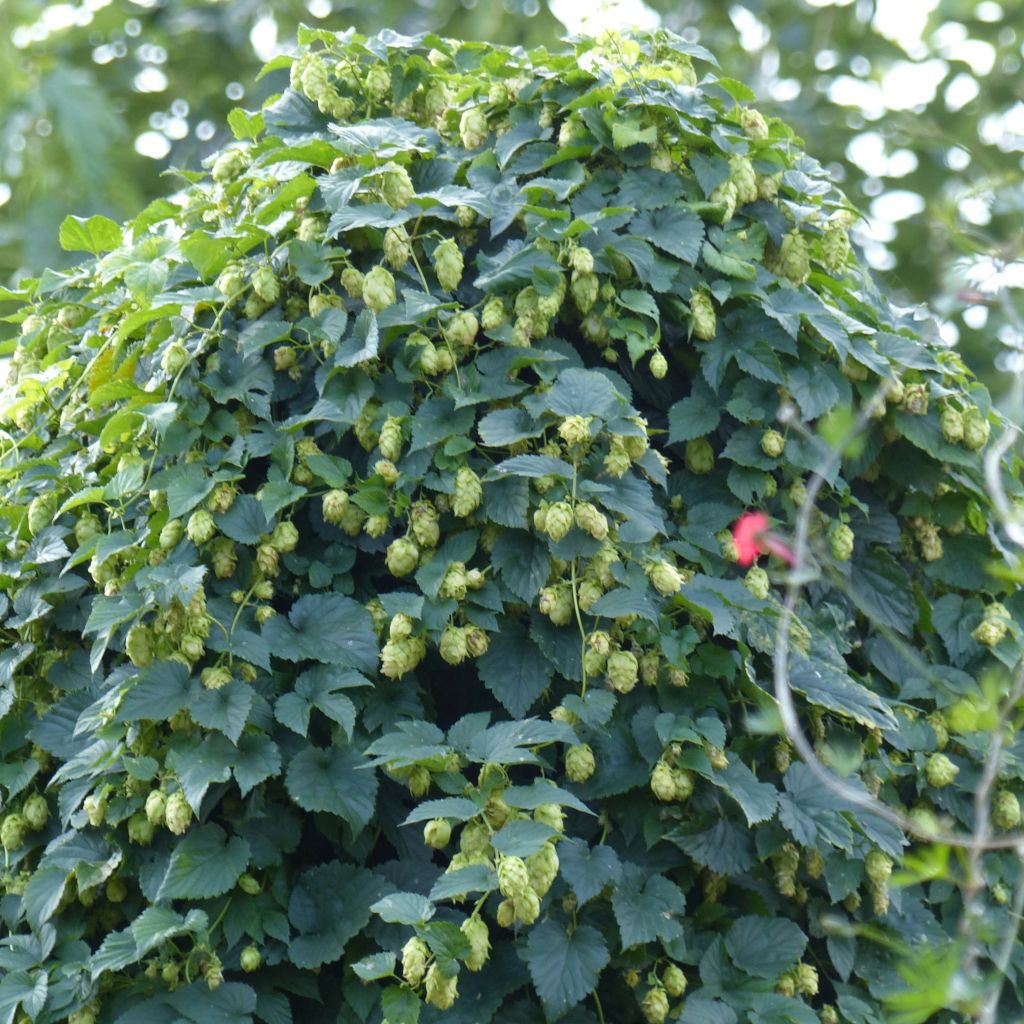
564, 967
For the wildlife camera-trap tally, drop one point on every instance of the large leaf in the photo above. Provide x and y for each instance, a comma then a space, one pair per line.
648, 908
765, 946
329, 628
564, 966
333, 779
203, 864
514, 670
329, 906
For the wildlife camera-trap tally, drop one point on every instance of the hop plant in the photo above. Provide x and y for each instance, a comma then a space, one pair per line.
378, 291
437, 833
976, 428
952, 424
835, 247
702, 313
468, 492
773, 444
413, 475
794, 258
13, 831
334, 506
580, 763
36, 812
448, 264
1006, 813
757, 582
396, 188
674, 981
655, 1006
397, 248
665, 578
473, 127
415, 956
177, 813
840, 542
402, 557
700, 457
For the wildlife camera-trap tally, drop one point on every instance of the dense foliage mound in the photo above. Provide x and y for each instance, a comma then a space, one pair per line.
374, 644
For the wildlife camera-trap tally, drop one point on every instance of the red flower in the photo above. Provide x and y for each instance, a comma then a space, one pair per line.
752, 539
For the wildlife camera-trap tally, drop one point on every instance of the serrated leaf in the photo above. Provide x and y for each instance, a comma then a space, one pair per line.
329, 628
379, 965
404, 908
93, 234
564, 967
765, 946
521, 838
680, 233
757, 800
647, 909
514, 670
333, 779
458, 807
205, 863
476, 878
329, 906
588, 869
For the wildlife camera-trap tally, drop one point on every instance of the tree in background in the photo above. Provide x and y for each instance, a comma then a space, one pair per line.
915, 107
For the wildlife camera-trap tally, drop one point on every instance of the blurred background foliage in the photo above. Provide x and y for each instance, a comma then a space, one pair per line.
916, 107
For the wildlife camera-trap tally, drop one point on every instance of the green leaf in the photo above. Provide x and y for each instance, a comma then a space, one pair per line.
588, 869
333, 779
258, 758
513, 267
564, 967
647, 909
532, 466
43, 894
205, 863
225, 709
245, 521
361, 343
404, 908
197, 764
583, 393
514, 670
725, 848
697, 1010
810, 811
310, 263
400, 1005
476, 878
521, 838
505, 427
507, 502
329, 906
765, 946
624, 601
675, 231
245, 125
317, 689
372, 968
757, 800
523, 562
458, 807
329, 628
96, 234
879, 586
155, 925
828, 686
161, 692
